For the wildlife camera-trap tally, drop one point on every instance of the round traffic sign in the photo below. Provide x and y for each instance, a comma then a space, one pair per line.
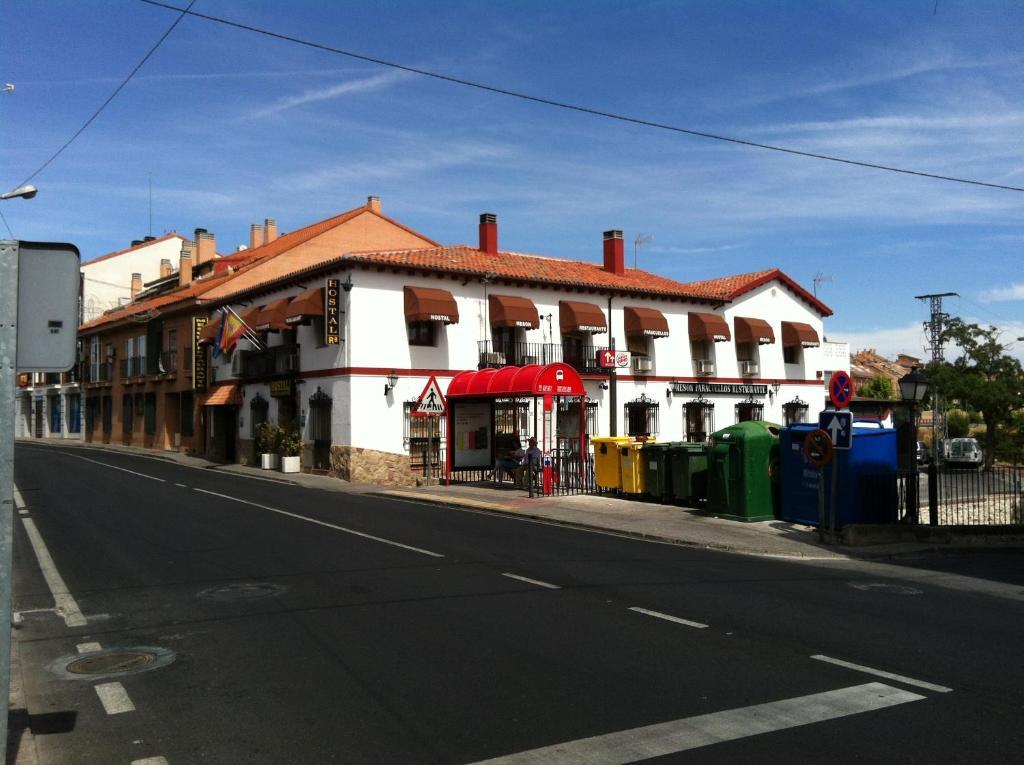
840, 389
818, 448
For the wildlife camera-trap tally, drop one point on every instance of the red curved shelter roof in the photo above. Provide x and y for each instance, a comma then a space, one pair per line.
533, 380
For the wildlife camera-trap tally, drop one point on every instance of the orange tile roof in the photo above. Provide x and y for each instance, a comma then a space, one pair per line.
109, 255
166, 301
728, 288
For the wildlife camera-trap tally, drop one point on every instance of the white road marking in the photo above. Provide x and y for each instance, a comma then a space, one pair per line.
115, 467
883, 673
65, 603
88, 647
667, 617
532, 581
23, 512
703, 730
114, 698
19, 501
323, 523
151, 761
181, 485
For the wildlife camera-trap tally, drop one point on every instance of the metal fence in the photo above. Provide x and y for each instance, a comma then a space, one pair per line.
941, 496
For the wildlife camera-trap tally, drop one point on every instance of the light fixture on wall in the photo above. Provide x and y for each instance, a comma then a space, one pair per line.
392, 381
668, 393
774, 390
602, 385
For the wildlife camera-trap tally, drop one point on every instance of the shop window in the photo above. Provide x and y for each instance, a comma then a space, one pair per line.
749, 410
699, 421
150, 414
641, 417
795, 411
422, 333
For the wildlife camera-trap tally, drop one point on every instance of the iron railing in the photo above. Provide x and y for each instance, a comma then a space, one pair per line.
493, 355
270, 361
169, 361
133, 366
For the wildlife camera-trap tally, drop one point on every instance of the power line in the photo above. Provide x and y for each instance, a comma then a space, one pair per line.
6, 224
571, 107
111, 97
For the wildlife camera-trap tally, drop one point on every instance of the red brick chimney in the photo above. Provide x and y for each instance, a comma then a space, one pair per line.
255, 236
373, 203
614, 252
270, 226
166, 269
185, 264
136, 285
489, 233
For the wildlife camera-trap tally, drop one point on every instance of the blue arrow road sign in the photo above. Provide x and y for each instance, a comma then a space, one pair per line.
839, 426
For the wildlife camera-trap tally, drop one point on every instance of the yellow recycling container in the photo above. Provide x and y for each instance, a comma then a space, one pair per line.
632, 467
607, 472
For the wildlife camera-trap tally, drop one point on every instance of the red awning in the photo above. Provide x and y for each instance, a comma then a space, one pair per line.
580, 317
307, 305
273, 316
709, 326
645, 322
753, 331
429, 304
795, 334
533, 380
224, 395
512, 311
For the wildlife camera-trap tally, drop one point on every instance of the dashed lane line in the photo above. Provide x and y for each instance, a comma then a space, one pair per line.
88, 647
115, 467
689, 733
342, 529
537, 582
668, 617
114, 698
62, 598
19, 501
151, 761
883, 673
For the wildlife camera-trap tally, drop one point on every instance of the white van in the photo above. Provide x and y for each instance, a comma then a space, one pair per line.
964, 452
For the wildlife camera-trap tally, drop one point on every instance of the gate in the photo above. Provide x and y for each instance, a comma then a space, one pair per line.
320, 429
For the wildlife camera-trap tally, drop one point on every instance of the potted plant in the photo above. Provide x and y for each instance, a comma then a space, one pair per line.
290, 448
267, 437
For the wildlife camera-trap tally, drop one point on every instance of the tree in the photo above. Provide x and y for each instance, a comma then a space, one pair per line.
878, 386
984, 378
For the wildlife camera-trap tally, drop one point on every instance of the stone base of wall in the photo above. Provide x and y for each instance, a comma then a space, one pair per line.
246, 450
353, 463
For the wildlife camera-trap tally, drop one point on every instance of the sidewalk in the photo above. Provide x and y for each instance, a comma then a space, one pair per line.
646, 520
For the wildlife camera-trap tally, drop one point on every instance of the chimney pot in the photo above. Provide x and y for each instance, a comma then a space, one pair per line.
185, 265
373, 203
136, 285
270, 228
165, 268
136, 242
205, 247
489, 233
614, 252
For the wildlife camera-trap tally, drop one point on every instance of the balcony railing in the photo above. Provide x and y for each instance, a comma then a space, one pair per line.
583, 358
96, 373
269, 362
134, 366
169, 361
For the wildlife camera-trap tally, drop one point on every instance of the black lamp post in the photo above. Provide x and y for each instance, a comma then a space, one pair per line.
913, 388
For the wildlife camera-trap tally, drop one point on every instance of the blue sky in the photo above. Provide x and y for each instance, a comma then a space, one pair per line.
235, 127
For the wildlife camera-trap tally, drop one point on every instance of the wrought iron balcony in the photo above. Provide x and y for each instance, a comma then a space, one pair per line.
133, 366
269, 362
168, 362
495, 355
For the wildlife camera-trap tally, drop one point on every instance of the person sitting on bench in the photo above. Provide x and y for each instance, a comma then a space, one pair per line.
532, 463
510, 463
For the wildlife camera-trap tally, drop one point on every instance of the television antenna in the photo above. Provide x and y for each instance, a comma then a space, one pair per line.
819, 279
640, 241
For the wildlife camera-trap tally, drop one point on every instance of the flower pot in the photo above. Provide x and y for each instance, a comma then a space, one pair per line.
290, 464
268, 461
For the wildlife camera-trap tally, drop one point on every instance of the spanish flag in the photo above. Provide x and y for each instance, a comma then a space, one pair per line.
231, 329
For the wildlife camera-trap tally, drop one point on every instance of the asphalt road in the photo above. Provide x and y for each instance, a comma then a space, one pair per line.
309, 626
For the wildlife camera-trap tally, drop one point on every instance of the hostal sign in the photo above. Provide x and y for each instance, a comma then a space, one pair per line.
199, 370
332, 325
738, 389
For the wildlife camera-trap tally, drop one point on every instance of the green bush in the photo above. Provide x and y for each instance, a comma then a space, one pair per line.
268, 437
958, 424
291, 443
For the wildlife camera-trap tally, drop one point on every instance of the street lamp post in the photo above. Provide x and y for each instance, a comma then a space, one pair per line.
913, 388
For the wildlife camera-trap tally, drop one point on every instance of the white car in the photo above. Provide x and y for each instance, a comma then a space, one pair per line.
965, 452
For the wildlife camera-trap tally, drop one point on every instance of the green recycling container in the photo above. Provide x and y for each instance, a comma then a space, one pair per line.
657, 470
688, 464
743, 461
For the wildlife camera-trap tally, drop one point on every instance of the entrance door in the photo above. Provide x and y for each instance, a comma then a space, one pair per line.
320, 429
39, 418
230, 432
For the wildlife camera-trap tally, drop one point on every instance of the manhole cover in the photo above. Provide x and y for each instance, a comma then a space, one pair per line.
895, 589
242, 591
111, 662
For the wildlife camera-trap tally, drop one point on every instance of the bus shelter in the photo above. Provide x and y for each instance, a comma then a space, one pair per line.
491, 411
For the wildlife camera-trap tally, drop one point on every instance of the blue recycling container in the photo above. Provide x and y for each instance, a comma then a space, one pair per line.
867, 488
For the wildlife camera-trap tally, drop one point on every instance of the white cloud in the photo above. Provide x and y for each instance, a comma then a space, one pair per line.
366, 84
888, 341
1004, 294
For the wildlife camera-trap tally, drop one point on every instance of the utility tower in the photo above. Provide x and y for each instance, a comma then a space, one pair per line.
933, 331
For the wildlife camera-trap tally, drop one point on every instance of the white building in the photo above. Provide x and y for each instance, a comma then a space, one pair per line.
50, 405
703, 355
